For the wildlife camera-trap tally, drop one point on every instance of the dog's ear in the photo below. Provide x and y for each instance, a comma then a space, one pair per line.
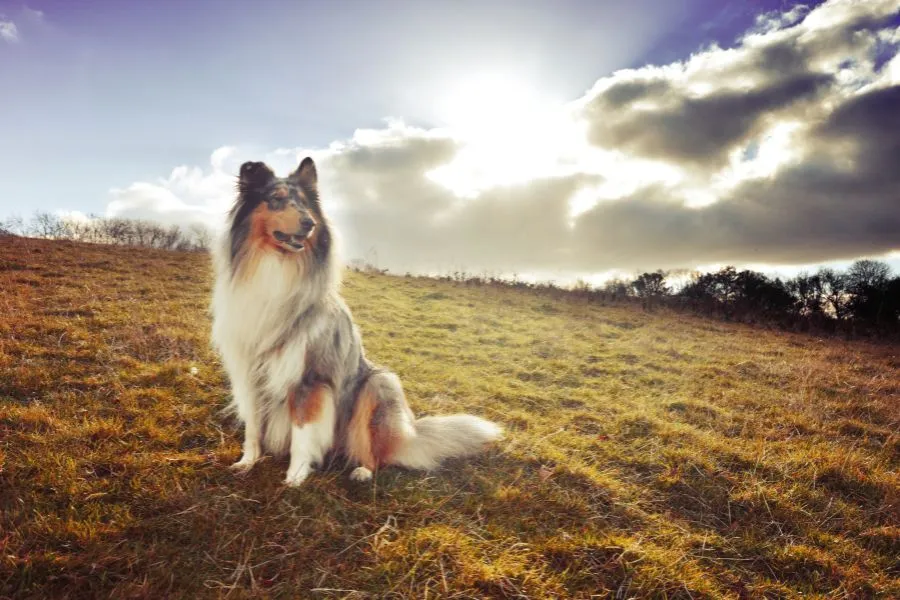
306, 173
254, 175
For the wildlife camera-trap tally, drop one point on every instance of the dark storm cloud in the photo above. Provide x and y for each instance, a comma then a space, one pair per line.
871, 124
658, 113
395, 156
698, 131
842, 200
813, 212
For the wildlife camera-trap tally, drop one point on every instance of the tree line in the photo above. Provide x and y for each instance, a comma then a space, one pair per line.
863, 299
110, 230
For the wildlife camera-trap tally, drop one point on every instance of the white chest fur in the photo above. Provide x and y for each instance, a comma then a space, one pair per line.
251, 316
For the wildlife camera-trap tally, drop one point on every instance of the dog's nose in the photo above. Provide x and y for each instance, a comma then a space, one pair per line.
306, 225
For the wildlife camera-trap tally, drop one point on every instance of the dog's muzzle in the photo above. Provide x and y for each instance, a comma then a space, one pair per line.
295, 240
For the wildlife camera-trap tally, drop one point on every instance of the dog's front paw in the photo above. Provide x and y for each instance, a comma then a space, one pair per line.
361, 474
296, 475
243, 466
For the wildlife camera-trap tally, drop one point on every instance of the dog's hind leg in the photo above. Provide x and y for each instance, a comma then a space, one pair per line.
380, 424
383, 431
312, 429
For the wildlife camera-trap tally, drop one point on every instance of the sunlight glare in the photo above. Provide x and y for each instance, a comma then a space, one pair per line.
511, 133
777, 148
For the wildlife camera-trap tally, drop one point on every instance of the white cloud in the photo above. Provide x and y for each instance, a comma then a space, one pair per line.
780, 151
22, 25
9, 32
73, 216
187, 195
192, 194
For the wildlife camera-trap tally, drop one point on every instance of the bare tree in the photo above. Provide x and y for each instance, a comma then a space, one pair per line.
46, 225
868, 289
617, 288
171, 237
868, 273
202, 237
118, 231
94, 233
14, 225
808, 291
651, 285
155, 235
835, 295
721, 286
142, 233
80, 230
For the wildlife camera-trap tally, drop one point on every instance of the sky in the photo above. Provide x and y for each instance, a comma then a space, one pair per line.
573, 138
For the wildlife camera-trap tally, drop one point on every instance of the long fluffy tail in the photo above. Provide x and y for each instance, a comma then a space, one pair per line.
438, 438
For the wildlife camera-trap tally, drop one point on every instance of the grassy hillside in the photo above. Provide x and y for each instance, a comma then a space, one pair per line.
648, 454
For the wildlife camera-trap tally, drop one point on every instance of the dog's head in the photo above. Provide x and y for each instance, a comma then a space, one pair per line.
280, 213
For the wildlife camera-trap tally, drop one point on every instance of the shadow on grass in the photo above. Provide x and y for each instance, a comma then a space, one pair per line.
188, 527
183, 530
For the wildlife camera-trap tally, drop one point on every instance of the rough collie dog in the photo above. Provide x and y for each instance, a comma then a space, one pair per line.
300, 379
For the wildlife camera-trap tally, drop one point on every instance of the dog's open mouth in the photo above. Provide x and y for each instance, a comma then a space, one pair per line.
293, 243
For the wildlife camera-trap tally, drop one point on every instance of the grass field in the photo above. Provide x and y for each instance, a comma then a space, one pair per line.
648, 454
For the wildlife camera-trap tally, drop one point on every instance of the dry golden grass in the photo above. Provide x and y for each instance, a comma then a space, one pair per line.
648, 454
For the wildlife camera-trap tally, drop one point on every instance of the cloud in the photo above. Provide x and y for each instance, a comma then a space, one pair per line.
779, 150
389, 196
192, 194
696, 131
26, 22
9, 32
188, 195
698, 112
73, 216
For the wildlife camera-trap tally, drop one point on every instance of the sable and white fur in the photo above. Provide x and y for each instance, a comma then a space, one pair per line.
299, 376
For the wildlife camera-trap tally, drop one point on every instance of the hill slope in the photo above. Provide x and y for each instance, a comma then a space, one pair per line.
648, 455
